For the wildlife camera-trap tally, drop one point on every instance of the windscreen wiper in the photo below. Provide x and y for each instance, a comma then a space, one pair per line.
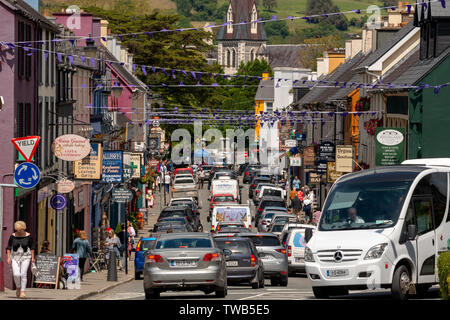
377, 224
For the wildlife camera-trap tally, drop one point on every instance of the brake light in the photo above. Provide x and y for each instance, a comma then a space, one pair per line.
264, 222
257, 191
253, 185
155, 258
218, 227
252, 260
211, 257
260, 209
289, 251
281, 250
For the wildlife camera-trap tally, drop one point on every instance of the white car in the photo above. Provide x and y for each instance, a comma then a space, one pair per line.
294, 241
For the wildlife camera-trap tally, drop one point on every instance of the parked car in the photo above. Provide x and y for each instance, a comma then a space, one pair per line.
273, 255
185, 261
184, 212
143, 245
265, 219
268, 202
183, 171
175, 226
244, 263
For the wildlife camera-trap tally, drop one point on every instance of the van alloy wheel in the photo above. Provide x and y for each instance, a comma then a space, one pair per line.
405, 282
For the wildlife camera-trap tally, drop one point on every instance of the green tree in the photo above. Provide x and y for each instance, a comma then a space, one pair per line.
184, 7
275, 28
316, 47
314, 7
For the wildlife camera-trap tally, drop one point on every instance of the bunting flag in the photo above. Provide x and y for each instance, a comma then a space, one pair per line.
46, 55
70, 59
59, 57
144, 70
92, 62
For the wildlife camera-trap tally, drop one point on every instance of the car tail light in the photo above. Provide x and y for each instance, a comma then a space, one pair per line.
252, 260
253, 185
257, 191
211, 257
155, 258
281, 250
264, 222
289, 251
260, 209
218, 227
138, 247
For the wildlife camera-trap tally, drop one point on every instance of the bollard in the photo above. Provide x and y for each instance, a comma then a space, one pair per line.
112, 266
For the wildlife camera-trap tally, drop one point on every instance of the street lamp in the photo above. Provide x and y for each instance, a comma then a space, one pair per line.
90, 50
116, 89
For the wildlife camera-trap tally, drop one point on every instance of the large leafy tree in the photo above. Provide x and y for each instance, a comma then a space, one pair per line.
315, 49
314, 7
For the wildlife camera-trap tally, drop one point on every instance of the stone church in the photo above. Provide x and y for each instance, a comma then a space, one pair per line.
247, 42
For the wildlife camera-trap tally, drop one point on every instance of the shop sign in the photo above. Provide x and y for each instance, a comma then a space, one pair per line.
112, 166
344, 158
65, 186
135, 161
326, 150
90, 168
321, 167
290, 143
389, 146
309, 156
121, 195
295, 161
314, 178
332, 174
71, 147
127, 170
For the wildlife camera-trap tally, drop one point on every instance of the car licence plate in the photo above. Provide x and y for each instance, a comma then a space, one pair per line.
183, 263
337, 273
232, 263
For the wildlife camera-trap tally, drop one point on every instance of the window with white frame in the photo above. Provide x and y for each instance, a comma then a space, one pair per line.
254, 26
230, 20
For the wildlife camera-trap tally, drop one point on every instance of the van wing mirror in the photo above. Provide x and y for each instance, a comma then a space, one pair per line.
308, 234
412, 232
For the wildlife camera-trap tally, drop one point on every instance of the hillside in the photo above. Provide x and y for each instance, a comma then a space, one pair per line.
285, 8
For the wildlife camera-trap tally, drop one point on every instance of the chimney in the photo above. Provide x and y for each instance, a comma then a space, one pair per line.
265, 75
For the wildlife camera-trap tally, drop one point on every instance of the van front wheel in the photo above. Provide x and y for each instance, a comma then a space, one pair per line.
401, 283
321, 292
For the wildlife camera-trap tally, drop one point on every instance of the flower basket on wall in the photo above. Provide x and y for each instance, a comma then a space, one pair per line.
371, 125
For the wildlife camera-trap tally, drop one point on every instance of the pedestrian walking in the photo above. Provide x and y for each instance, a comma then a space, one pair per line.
292, 195
158, 182
83, 250
201, 177
121, 236
307, 203
20, 253
296, 183
166, 182
112, 242
296, 207
131, 235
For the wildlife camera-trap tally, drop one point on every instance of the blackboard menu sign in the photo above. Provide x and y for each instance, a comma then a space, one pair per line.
48, 269
326, 150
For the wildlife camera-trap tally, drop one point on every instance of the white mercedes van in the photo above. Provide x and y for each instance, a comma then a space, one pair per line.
382, 228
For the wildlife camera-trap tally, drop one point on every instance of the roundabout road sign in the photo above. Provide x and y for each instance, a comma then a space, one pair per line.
58, 201
27, 175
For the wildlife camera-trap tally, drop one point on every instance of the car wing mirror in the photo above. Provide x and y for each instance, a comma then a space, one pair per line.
412, 232
308, 234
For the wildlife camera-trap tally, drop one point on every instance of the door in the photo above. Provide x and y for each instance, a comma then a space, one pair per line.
426, 252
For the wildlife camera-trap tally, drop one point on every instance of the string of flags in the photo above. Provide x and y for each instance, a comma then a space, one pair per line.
214, 25
198, 75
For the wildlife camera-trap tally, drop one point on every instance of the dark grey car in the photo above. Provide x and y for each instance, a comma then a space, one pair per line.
244, 263
185, 261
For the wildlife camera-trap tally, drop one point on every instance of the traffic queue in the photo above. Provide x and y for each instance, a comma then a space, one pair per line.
237, 247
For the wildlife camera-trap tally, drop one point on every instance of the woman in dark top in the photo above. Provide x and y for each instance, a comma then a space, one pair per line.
20, 252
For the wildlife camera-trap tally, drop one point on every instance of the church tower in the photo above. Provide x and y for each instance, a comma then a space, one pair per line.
241, 42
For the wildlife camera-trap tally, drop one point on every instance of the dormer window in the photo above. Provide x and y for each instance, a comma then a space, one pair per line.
230, 20
254, 26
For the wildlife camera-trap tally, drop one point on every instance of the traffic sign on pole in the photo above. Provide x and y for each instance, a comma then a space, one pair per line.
27, 175
26, 146
58, 201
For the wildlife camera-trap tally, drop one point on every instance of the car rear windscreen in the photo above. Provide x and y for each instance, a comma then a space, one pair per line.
173, 213
269, 216
223, 199
178, 181
277, 228
183, 243
272, 192
270, 203
237, 247
265, 241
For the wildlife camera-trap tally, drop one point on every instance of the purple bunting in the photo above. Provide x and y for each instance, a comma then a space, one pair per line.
424, 5
104, 39
93, 62
144, 70
10, 45
443, 3
173, 74
70, 59
193, 75
409, 8
436, 89
82, 58
331, 114
357, 11
46, 55
325, 15
133, 66
181, 84
307, 19
59, 57
72, 41
274, 17
83, 85
164, 71
153, 69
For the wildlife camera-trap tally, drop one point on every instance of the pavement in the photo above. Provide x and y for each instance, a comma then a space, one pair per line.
93, 282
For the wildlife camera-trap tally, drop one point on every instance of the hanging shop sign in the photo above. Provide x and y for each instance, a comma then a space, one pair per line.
121, 195
65, 186
127, 169
332, 174
71, 147
326, 150
321, 167
389, 146
135, 162
309, 156
295, 161
26, 146
290, 143
90, 167
344, 158
314, 178
112, 166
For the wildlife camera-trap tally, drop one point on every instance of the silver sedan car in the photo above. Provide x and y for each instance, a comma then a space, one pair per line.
185, 261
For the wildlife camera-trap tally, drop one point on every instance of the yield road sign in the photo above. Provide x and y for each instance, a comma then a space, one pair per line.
26, 146
27, 175
58, 201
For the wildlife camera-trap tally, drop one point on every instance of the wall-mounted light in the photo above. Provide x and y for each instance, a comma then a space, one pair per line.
116, 89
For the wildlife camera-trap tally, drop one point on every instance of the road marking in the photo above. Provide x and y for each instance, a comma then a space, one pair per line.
258, 295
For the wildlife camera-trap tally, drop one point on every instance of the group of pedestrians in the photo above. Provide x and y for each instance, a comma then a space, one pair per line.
21, 251
302, 199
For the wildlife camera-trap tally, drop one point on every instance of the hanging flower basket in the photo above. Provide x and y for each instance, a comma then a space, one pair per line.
372, 124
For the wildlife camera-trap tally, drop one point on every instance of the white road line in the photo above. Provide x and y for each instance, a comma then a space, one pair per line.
258, 295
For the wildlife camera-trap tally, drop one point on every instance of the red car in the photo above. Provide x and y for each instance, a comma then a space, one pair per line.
221, 198
183, 171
